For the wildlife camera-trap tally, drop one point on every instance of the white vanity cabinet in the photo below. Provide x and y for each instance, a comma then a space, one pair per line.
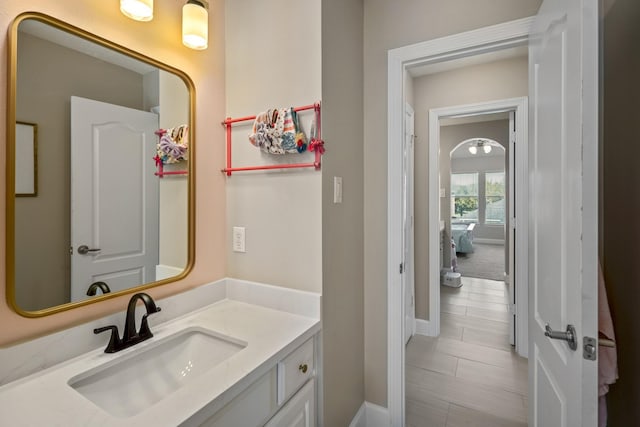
284, 396
300, 411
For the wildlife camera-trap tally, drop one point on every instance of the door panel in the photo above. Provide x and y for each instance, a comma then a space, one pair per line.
562, 291
114, 196
408, 276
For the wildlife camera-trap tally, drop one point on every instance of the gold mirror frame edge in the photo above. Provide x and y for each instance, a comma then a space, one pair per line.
10, 166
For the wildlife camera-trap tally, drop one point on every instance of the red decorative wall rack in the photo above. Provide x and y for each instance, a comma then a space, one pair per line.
316, 145
161, 172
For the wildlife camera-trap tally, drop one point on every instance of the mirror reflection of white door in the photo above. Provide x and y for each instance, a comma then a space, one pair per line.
114, 196
563, 73
408, 275
511, 230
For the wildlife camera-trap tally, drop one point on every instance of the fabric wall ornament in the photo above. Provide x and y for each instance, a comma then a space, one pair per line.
276, 131
173, 146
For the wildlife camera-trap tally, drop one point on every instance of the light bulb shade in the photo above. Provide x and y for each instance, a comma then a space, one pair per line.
140, 10
195, 25
486, 148
473, 149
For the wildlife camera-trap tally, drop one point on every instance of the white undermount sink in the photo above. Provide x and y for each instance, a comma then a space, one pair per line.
128, 385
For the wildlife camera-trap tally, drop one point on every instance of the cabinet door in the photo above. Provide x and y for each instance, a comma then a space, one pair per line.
300, 411
251, 408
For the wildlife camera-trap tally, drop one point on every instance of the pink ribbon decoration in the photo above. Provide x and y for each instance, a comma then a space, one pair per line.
317, 145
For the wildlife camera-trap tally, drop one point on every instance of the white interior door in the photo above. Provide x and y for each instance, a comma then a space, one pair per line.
408, 275
114, 196
563, 226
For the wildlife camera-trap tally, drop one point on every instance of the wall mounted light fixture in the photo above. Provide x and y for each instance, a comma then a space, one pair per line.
195, 25
140, 10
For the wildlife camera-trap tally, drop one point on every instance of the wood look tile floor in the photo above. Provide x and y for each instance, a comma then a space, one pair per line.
470, 375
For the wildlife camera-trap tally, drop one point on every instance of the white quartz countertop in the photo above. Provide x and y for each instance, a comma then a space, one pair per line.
45, 398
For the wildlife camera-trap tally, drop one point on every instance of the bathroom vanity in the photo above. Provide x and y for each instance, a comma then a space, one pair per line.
246, 357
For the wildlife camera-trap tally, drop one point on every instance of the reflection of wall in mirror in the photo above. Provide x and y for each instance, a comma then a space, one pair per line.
48, 75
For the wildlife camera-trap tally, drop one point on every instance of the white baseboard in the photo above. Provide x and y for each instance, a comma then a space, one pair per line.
488, 241
371, 415
424, 327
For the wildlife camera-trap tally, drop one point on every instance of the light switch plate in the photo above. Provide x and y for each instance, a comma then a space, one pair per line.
239, 239
337, 189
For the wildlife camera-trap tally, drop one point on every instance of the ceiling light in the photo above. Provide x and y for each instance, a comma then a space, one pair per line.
473, 149
486, 148
140, 10
195, 25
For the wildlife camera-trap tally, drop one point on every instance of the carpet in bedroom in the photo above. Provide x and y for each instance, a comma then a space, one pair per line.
486, 262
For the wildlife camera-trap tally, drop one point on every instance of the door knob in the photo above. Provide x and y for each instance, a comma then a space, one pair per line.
84, 249
569, 335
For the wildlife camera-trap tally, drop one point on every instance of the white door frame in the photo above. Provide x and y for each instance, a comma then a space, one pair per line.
483, 40
520, 106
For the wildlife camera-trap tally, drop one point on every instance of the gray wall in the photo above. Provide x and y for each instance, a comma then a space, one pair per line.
390, 25
48, 75
342, 230
620, 197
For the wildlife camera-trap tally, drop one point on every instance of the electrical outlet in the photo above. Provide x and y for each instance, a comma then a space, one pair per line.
239, 239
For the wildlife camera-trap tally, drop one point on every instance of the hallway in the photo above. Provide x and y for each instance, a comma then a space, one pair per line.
470, 375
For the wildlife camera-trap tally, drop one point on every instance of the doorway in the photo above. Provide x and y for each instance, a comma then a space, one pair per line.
470, 371
516, 209
486, 40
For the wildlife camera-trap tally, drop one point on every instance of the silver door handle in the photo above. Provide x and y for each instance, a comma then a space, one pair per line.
569, 335
84, 249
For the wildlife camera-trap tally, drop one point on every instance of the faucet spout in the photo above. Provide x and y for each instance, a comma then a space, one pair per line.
131, 336
130, 332
98, 285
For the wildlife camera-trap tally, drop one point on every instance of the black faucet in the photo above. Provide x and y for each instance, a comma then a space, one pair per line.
93, 289
131, 335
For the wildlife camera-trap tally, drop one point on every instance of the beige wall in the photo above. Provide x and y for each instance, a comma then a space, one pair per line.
620, 181
161, 40
42, 222
342, 229
390, 25
271, 63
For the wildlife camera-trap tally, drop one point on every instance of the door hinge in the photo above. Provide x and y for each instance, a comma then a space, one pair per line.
401, 267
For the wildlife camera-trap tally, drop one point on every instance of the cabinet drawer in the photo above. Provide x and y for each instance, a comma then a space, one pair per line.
294, 370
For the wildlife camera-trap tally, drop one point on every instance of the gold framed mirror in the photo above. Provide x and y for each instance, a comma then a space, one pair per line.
103, 222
